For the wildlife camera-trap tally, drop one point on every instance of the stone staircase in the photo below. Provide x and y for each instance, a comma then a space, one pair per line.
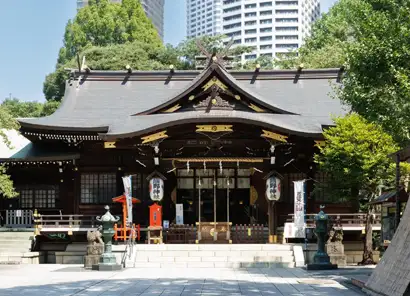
212, 256
15, 247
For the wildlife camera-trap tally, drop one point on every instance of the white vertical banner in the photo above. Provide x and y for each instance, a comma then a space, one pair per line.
299, 213
128, 196
179, 214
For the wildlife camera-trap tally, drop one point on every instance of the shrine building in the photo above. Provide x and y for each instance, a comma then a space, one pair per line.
214, 136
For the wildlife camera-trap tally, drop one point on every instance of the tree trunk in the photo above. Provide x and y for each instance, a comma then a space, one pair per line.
368, 242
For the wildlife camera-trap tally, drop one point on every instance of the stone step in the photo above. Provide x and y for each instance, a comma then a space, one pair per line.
15, 242
227, 258
15, 234
212, 253
14, 249
216, 247
131, 264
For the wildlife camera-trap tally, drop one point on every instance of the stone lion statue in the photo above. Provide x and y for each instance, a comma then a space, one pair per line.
95, 243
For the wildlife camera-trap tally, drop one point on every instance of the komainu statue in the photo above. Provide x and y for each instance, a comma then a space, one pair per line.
95, 244
95, 248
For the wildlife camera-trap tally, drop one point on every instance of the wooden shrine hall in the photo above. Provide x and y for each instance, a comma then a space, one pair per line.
214, 135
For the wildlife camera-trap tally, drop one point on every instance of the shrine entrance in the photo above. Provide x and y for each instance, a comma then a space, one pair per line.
213, 199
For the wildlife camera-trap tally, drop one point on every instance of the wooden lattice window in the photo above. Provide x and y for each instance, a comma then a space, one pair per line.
40, 196
98, 188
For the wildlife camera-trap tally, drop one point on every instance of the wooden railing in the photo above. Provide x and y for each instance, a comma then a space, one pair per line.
68, 223
124, 233
344, 220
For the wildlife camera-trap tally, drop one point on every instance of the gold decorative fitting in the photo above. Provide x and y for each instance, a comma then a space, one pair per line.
253, 196
191, 97
214, 128
256, 108
319, 143
154, 137
238, 97
214, 81
214, 101
109, 145
172, 109
274, 136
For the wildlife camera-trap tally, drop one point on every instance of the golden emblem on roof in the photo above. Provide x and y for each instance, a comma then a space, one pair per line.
274, 136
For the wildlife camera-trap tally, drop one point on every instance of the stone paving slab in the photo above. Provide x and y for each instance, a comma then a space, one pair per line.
62, 280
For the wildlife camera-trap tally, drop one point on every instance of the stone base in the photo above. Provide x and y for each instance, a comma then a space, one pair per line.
90, 260
339, 260
106, 267
318, 266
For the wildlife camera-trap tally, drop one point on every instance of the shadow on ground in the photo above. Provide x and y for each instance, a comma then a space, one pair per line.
66, 281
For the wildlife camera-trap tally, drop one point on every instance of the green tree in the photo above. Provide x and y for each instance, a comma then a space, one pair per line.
377, 82
356, 159
21, 109
139, 55
7, 122
103, 23
188, 49
100, 24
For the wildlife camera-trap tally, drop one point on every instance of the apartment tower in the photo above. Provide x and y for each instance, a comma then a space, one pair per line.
272, 28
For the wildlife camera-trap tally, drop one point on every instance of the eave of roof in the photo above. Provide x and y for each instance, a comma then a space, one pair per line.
32, 152
290, 124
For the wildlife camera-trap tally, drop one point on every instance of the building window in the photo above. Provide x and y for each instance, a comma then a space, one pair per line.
267, 12
38, 196
264, 22
251, 31
266, 30
265, 38
250, 57
265, 4
98, 188
247, 6
250, 14
250, 23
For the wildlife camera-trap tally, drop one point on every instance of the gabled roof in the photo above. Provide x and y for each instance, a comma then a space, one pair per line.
117, 102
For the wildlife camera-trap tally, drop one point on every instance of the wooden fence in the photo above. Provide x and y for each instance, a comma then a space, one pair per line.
19, 218
249, 234
180, 234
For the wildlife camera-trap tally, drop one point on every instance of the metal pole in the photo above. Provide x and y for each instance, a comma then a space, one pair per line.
397, 192
215, 234
199, 210
228, 234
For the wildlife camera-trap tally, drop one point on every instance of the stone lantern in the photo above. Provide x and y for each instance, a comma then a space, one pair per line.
321, 260
108, 260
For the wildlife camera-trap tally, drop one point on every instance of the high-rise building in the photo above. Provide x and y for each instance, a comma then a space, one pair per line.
154, 9
272, 28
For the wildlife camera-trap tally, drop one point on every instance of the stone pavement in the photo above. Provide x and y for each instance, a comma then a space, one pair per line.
64, 280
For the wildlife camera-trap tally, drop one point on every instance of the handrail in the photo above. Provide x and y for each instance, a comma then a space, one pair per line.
344, 219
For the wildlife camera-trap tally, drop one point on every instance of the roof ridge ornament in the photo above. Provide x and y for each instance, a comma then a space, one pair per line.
208, 59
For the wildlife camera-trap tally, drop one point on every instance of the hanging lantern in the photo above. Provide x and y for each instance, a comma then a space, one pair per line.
273, 188
156, 189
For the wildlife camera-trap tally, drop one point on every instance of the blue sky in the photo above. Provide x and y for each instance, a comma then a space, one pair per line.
31, 33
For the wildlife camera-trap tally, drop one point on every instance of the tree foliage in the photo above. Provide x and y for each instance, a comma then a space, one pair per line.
21, 109
139, 55
103, 23
356, 158
377, 83
7, 122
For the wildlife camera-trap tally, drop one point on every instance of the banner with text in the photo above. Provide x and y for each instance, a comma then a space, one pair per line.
179, 214
128, 196
299, 218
